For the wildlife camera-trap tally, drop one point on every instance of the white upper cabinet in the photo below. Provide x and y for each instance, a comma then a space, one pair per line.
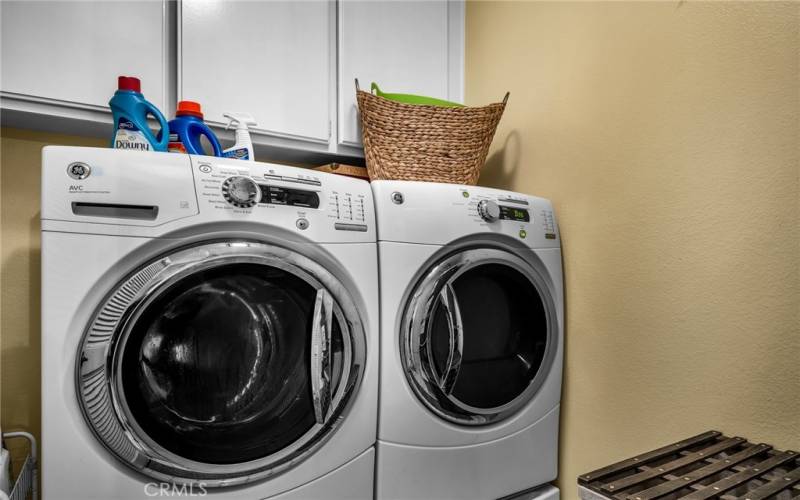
70, 53
413, 47
272, 59
289, 63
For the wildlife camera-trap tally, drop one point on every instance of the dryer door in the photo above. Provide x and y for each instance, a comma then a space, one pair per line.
222, 363
479, 335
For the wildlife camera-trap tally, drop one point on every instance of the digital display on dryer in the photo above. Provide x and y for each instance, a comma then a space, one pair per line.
277, 195
514, 213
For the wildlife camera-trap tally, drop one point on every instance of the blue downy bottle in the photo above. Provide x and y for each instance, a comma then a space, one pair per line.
187, 128
130, 110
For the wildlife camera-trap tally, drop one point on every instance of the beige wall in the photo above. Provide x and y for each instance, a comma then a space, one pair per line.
20, 165
667, 135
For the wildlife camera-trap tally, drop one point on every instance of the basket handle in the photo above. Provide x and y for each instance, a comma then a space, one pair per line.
373, 88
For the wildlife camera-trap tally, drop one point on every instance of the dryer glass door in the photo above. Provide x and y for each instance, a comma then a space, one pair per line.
229, 363
479, 335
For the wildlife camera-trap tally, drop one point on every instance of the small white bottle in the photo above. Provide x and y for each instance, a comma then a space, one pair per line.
243, 148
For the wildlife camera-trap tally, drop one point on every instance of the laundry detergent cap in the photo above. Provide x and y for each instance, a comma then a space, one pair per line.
190, 108
129, 83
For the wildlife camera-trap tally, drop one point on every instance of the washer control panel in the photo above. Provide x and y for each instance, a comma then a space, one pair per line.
305, 200
244, 192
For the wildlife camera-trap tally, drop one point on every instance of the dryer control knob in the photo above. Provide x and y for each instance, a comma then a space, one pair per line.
241, 192
488, 210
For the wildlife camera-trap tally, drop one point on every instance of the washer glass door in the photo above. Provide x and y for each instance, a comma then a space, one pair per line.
479, 335
222, 363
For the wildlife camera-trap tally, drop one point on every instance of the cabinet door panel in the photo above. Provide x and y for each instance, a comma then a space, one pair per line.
74, 51
402, 46
271, 59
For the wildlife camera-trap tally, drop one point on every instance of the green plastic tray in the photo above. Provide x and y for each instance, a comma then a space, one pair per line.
414, 99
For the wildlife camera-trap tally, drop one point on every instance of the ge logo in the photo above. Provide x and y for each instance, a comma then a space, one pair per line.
78, 170
205, 168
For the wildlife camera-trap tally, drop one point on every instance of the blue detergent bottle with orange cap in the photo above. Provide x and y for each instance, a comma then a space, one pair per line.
130, 110
188, 127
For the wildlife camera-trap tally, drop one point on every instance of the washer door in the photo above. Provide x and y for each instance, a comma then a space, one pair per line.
479, 335
222, 363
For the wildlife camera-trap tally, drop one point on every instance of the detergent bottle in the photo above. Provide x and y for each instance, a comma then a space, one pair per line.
243, 149
187, 128
130, 110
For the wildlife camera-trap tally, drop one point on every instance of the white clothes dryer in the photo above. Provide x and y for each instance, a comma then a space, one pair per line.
471, 342
209, 328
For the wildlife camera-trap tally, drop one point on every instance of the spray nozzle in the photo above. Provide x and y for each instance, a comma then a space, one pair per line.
243, 120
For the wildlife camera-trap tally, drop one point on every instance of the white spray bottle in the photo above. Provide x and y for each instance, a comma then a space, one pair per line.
243, 149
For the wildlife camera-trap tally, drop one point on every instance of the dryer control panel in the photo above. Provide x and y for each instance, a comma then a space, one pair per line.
439, 213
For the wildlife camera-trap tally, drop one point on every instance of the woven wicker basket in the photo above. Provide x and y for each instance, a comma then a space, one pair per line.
426, 143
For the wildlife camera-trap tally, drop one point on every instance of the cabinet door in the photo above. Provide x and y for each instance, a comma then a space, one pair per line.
271, 59
405, 47
72, 52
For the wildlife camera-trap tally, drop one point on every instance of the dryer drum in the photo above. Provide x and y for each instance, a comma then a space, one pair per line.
478, 336
223, 363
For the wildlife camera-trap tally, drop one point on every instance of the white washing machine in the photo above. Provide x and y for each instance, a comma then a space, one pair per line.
209, 328
471, 343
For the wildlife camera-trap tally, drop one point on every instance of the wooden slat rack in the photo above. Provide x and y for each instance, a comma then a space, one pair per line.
702, 467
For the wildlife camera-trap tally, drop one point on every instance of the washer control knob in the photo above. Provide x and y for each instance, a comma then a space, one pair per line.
488, 210
241, 192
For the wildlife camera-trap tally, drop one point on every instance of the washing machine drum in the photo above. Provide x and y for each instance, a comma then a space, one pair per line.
479, 334
223, 363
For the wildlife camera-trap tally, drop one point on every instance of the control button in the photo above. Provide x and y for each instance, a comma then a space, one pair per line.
79, 170
488, 210
341, 226
302, 224
206, 169
241, 192
397, 198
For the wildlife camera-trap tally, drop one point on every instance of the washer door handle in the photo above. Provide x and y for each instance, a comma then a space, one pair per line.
320, 354
449, 302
